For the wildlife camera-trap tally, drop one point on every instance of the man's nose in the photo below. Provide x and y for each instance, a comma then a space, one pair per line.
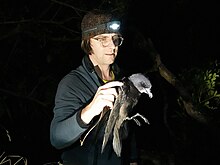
111, 43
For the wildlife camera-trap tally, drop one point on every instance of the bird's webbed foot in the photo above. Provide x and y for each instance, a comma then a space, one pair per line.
134, 117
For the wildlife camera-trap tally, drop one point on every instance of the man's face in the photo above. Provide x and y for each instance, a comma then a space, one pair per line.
104, 49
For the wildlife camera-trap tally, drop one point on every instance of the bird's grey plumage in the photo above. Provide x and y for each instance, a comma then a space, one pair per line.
128, 96
142, 83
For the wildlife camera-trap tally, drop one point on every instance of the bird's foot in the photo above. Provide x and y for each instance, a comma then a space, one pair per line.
134, 117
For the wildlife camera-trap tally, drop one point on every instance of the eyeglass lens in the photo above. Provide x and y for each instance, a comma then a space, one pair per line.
117, 40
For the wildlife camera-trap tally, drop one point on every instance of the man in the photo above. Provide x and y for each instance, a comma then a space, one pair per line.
83, 94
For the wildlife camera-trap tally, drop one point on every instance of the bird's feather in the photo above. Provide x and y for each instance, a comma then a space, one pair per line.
113, 117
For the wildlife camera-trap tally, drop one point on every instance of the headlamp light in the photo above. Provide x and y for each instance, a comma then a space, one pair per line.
112, 26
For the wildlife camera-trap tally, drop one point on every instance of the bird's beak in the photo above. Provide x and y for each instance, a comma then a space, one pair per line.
147, 91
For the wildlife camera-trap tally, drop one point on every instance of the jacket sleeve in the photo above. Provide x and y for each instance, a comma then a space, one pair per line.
66, 126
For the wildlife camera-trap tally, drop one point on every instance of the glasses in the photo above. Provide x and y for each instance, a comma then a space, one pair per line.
105, 41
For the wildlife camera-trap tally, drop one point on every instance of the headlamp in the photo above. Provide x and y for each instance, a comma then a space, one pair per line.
112, 26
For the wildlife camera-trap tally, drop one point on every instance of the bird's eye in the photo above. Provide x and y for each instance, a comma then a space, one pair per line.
143, 85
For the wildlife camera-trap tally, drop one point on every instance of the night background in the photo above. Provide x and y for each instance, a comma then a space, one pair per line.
174, 42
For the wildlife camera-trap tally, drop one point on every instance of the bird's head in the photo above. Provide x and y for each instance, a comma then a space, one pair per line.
142, 83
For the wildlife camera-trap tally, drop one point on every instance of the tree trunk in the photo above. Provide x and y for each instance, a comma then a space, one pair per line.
175, 82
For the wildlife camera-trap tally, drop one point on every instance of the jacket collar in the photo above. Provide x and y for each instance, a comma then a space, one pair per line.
88, 64
90, 67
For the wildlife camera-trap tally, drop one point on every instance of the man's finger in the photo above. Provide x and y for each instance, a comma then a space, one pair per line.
112, 84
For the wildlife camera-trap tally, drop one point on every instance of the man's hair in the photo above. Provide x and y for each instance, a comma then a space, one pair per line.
85, 45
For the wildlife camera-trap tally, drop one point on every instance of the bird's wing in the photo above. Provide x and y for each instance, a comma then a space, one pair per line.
113, 116
117, 142
98, 124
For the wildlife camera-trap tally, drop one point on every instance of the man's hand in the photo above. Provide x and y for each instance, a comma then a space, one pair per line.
105, 96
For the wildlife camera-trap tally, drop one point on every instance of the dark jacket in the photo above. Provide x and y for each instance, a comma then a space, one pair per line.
74, 92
